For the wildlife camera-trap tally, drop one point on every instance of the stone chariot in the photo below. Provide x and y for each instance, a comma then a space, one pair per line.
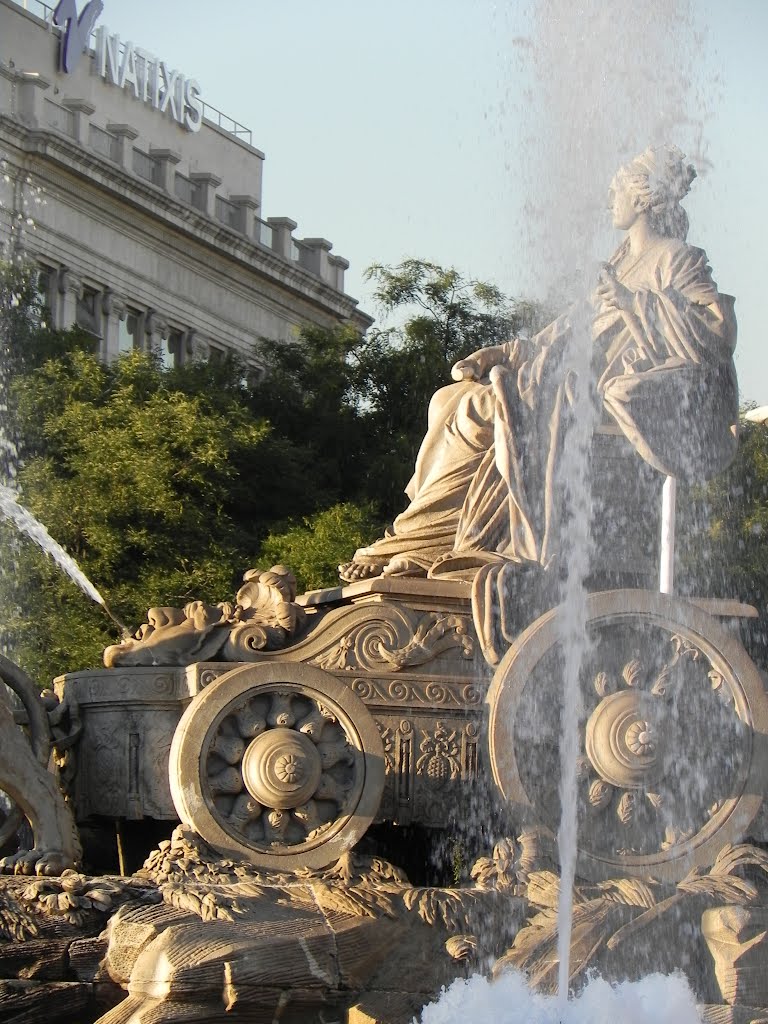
280, 728
321, 715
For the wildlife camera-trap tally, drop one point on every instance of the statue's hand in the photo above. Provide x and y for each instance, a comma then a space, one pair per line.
611, 292
480, 363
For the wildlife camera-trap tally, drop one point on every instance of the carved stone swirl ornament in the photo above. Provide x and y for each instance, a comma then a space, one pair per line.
417, 692
279, 764
673, 734
398, 639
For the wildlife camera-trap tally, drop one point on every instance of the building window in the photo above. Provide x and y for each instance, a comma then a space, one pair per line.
216, 354
128, 337
87, 314
170, 349
43, 287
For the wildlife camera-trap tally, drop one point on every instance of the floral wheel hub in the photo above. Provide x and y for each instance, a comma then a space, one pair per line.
624, 740
282, 768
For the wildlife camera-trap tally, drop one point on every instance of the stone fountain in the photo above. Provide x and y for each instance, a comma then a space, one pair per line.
308, 743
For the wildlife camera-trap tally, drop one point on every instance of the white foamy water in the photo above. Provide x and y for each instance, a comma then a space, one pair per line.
24, 521
606, 79
656, 999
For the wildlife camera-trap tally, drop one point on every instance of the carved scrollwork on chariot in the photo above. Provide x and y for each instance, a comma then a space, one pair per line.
394, 639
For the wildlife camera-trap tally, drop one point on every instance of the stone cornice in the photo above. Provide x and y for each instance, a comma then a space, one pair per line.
65, 153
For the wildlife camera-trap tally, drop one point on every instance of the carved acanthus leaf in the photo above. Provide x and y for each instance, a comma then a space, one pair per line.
397, 640
16, 923
602, 684
632, 672
434, 635
449, 908
72, 896
600, 794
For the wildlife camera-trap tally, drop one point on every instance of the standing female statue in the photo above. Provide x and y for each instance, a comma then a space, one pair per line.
485, 489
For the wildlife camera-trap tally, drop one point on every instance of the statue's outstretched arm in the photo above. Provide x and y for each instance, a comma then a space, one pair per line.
480, 363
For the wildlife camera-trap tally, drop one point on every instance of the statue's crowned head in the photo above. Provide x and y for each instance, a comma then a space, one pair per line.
659, 178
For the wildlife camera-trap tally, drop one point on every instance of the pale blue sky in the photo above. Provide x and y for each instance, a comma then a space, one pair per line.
404, 129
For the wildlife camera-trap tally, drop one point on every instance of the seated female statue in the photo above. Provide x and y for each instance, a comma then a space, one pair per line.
487, 484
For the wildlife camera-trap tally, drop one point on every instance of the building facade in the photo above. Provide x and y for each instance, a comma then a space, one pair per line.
141, 203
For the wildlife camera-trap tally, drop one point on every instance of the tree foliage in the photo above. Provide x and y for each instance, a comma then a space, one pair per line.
315, 546
723, 536
142, 480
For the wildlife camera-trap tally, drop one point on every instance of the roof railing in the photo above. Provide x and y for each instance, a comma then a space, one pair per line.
210, 113
44, 11
227, 123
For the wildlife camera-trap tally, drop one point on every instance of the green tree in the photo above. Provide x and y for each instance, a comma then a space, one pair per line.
315, 546
305, 391
151, 481
722, 536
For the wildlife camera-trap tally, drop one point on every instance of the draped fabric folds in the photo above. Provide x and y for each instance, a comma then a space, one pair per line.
485, 488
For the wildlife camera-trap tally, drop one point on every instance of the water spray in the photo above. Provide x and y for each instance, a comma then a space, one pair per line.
124, 631
23, 519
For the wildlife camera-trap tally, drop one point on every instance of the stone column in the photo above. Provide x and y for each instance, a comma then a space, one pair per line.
166, 160
114, 309
155, 330
31, 87
207, 184
316, 256
247, 207
195, 348
338, 265
125, 134
82, 111
70, 288
282, 231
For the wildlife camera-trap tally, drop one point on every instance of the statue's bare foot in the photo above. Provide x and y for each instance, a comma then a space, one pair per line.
353, 571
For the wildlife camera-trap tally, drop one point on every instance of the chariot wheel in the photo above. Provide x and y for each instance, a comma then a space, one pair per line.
673, 734
279, 764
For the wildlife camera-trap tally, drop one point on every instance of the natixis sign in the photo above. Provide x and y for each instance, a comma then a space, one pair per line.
127, 66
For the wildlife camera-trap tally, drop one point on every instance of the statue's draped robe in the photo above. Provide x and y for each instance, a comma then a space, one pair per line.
485, 488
